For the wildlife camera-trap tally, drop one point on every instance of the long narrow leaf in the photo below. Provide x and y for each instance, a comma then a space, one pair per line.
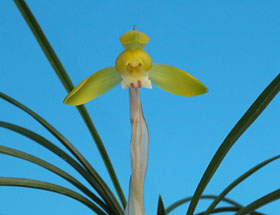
103, 190
63, 140
228, 209
107, 162
247, 119
188, 199
238, 181
221, 209
50, 128
160, 210
22, 182
260, 202
54, 169
67, 83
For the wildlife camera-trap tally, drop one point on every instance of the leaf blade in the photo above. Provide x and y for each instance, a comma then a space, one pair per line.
160, 210
188, 199
260, 202
35, 160
67, 83
94, 180
246, 120
22, 182
238, 181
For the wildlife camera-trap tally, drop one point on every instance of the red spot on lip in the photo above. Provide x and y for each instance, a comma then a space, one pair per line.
132, 85
139, 83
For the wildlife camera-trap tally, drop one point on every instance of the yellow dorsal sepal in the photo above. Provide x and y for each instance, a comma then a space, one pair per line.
134, 39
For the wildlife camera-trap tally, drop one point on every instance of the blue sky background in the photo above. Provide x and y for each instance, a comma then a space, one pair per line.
231, 46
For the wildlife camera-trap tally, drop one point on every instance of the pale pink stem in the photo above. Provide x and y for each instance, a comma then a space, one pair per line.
139, 146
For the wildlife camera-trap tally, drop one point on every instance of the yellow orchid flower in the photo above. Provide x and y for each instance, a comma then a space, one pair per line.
134, 68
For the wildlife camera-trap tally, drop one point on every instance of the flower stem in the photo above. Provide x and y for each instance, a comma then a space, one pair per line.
139, 147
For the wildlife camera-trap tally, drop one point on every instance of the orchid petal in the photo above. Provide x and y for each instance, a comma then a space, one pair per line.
94, 86
176, 81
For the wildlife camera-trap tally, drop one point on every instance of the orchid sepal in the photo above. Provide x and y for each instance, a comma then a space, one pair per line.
175, 81
134, 39
94, 86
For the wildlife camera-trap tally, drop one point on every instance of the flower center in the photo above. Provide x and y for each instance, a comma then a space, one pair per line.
134, 68
134, 64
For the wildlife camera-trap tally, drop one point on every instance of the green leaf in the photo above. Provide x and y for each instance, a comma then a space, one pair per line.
247, 119
222, 209
260, 202
61, 138
238, 181
54, 169
160, 210
68, 85
95, 180
228, 209
188, 199
50, 128
22, 182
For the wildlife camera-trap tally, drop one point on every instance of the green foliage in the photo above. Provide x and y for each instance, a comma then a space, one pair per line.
238, 181
54, 169
188, 199
246, 120
68, 85
260, 202
22, 182
160, 210
106, 202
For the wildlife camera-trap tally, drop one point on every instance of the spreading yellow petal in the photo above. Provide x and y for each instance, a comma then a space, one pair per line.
94, 86
176, 81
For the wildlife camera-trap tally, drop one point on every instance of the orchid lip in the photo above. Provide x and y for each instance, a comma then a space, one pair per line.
142, 81
135, 76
